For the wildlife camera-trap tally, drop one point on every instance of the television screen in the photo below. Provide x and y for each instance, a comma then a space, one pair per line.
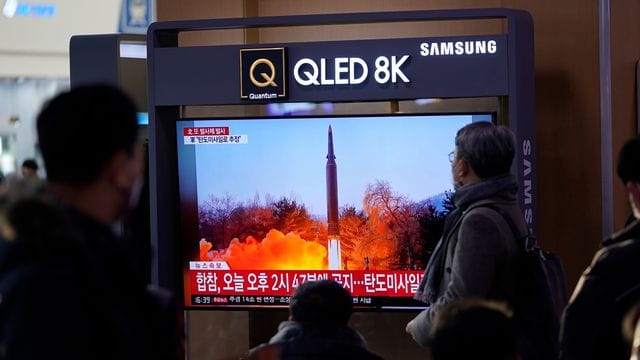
268, 203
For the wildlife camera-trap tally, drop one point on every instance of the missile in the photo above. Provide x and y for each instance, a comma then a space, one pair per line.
333, 247
332, 189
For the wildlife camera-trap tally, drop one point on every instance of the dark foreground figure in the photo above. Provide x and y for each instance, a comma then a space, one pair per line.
473, 329
610, 286
318, 327
71, 287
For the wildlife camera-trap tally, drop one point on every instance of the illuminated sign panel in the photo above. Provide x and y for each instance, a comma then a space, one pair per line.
14, 8
372, 69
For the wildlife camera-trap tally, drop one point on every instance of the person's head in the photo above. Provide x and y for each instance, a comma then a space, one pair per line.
629, 172
321, 303
473, 329
483, 150
88, 140
29, 168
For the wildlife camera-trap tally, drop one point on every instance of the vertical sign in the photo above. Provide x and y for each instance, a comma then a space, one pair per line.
136, 15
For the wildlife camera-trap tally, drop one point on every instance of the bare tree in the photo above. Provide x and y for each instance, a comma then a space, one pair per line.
290, 216
214, 216
395, 215
353, 229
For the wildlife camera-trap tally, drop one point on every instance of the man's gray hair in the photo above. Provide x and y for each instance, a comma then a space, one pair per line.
489, 149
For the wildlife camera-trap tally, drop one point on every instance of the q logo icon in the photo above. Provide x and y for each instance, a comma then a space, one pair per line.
268, 78
262, 74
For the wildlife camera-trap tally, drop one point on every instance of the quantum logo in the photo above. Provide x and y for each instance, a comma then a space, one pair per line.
262, 74
268, 79
13, 8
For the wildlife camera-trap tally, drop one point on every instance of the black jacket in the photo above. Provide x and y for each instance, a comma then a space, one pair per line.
70, 291
299, 341
592, 322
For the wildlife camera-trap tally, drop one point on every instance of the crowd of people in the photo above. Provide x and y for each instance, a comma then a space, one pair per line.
70, 287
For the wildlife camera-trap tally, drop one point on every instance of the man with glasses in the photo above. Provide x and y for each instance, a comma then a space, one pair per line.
477, 254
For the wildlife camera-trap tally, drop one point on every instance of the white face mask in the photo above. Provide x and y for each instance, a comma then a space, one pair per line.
635, 351
136, 163
136, 191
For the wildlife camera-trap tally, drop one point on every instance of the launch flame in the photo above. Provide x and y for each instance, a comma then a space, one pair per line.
276, 251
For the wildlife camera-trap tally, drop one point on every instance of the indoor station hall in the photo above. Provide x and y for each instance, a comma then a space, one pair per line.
280, 179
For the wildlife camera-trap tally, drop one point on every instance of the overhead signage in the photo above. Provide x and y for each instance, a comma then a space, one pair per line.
385, 66
15, 8
459, 48
349, 71
381, 69
136, 15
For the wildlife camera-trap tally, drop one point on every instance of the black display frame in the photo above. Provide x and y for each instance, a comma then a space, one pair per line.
169, 64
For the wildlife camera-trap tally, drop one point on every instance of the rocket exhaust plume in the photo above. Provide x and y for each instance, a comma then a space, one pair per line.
277, 251
333, 247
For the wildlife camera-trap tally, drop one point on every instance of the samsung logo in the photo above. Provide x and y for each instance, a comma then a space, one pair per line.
452, 48
527, 188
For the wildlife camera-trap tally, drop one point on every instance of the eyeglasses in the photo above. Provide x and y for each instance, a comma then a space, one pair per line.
452, 156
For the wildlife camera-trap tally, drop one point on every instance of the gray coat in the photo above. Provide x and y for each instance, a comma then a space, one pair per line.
480, 251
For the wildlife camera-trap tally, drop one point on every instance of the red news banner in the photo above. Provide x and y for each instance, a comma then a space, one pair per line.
205, 131
282, 283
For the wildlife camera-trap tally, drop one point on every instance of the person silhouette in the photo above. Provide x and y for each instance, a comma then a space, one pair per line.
70, 287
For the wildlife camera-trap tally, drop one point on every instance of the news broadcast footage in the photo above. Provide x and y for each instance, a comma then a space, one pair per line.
273, 202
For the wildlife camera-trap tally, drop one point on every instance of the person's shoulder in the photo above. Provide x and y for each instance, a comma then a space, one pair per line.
317, 349
617, 258
35, 234
482, 217
494, 211
623, 248
264, 352
630, 231
29, 280
287, 330
619, 250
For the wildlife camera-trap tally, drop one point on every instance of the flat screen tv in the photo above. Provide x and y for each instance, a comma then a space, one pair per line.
268, 203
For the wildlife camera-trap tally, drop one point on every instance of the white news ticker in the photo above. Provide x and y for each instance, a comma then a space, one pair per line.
215, 139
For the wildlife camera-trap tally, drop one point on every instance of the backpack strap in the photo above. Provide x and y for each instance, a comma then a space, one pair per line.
530, 242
